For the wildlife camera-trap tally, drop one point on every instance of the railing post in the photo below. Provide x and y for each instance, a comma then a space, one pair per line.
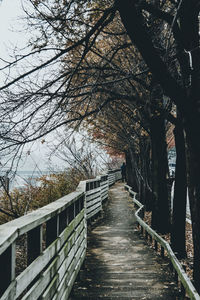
183, 292
34, 244
7, 274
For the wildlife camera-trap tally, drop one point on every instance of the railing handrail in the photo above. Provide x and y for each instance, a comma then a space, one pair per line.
62, 227
29, 221
16, 227
186, 282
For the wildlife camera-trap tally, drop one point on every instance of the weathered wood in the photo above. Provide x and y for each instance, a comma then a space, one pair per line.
25, 278
62, 278
119, 264
65, 221
17, 227
190, 289
104, 196
50, 274
94, 206
93, 202
92, 192
53, 270
93, 199
8, 235
72, 279
10, 293
94, 211
111, 179
67, 282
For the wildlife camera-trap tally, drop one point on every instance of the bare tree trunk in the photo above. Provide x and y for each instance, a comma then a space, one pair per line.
180, 195
189, 107
146, 173
130, 172
160, 212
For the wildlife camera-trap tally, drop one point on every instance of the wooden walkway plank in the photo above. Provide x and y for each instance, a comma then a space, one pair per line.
119, 264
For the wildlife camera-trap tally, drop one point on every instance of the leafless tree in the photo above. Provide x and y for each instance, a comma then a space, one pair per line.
76, 68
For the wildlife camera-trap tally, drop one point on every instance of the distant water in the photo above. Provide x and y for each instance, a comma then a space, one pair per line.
22, 178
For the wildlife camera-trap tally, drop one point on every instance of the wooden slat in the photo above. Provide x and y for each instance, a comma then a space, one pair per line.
8, 235
93, 180
48, 275
93, 202
32, 271
73, 278
104, 194
10, 293
56, 285
93, 191
93, 196
92, 207
81, 187
41, 215
104, 187
57, 250
94, 212
65, 265
95, 206
70, 276
186, 282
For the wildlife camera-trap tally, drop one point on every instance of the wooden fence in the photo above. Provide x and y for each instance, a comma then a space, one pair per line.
186, 285
54, 241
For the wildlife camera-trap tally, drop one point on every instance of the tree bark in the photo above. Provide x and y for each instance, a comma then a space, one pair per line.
180, 195
189, 107
130, 173
160, 212
134, 24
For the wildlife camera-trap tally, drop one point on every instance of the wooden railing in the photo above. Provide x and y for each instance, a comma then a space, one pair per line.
55, 239
186, 285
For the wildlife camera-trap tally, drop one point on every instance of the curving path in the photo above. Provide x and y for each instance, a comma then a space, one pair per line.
119, 264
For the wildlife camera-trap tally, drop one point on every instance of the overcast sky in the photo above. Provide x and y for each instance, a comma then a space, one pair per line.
11, 35
10, 11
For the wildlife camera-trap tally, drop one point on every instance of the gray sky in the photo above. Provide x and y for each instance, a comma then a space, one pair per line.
10, 10
11, 36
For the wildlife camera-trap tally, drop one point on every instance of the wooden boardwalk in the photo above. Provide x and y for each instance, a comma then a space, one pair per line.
119, 264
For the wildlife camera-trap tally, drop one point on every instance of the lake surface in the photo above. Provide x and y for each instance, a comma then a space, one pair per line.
22, 178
